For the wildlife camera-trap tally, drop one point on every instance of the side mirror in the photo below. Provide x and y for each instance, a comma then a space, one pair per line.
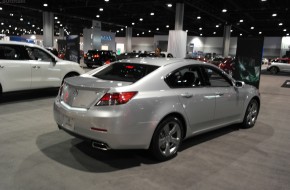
54, 61
239, 84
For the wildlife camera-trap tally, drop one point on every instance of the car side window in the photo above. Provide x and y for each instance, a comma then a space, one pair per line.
38, 54
186, 77
214, 78
10, 53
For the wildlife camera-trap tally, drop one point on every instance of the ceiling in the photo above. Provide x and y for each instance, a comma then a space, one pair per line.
201, 17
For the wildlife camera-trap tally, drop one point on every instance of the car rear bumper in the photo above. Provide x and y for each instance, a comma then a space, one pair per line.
116, 129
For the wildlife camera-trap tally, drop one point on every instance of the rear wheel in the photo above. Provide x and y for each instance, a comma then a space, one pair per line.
69, 75
274, 70
89, 66
166, 139
251, 114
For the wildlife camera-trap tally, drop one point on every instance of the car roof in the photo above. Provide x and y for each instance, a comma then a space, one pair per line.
19, 43
157, 61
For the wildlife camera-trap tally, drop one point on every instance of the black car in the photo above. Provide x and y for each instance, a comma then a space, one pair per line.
99, 57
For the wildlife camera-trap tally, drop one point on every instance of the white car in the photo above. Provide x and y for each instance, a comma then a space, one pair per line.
25, 66
279, 64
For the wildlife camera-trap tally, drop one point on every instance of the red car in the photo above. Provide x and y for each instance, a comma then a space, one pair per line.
227, 65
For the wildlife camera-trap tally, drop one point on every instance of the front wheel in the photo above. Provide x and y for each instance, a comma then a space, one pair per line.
274, 70
251, 114
166, 139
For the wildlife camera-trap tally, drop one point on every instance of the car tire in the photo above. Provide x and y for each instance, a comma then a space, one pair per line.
166, 139
274, 70
89, 66
251, 114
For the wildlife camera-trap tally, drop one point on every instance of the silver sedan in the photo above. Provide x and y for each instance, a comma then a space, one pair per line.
153, 103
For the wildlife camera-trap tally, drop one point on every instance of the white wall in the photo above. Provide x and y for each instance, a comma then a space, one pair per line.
139, 43
272, 47
285, 45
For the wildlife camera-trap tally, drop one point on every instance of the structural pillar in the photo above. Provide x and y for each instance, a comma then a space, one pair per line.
48, 29
87, 39
129, 39
179, 16
61, 33
226, 40
96, 35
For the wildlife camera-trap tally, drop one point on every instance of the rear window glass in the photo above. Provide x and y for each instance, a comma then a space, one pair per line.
128, 72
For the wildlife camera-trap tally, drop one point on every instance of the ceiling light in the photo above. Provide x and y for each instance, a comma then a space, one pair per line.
122, 29
11, 14
241, 34
60, 25
58, 22
274, 14
287, 34
141, 19
1, 8
263, 0
101, 9
252, 28
137, 34
106, 0
217, 25
198, 17
2, 23
231, 30
21, 19
133, 23
9, 26
200, 28
33, 25
157, 28
117, 31
167, 26
260, 32
151, 14
45, 4
200, 34
149, 31
143, 33
98, 16
55, 18
241, 20
28, 23
285, 30
224, 10
186, 30
214, 32
169, 5
280, 24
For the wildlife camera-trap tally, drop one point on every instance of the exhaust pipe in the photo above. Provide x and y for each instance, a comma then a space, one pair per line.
99, 145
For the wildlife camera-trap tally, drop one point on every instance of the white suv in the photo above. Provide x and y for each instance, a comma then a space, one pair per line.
279, 64
25, 66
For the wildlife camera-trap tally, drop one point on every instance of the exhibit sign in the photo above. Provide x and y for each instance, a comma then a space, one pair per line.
247, 64
72, 51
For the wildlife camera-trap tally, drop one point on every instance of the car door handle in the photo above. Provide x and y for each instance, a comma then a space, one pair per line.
36, 67
186, 95
1, 66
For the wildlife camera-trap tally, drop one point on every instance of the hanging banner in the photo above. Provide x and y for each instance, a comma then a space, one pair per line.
72, 51
247, 65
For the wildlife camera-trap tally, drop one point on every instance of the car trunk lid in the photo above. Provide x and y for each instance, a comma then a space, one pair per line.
84, 92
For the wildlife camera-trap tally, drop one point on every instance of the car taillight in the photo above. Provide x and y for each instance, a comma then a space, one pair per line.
96, 56
110, 99
107, 62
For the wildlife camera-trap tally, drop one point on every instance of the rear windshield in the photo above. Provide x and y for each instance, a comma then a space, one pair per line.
128, 72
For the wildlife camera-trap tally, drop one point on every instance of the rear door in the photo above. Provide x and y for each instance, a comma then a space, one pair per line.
45, 72
15, 69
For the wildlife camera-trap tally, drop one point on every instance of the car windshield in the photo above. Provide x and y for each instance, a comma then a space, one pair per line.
128, 72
